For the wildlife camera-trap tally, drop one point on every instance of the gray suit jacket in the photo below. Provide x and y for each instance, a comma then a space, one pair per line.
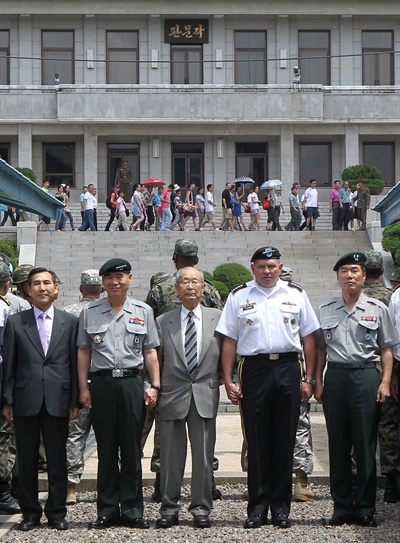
30, 377
178, 387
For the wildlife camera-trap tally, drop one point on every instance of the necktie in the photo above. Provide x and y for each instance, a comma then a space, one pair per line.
191, 343
43, 332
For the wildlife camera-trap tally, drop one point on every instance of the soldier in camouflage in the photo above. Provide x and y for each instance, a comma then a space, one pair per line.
162, 298
363, 203
20, 278
389, 419
79, 428
7, 432
395, 279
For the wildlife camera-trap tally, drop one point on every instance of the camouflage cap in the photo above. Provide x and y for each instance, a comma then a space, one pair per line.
395, 276
158, 278
5, 274
21, 273
186, 247
374, 260
91, 277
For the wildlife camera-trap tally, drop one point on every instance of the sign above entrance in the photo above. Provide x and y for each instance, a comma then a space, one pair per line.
186, 31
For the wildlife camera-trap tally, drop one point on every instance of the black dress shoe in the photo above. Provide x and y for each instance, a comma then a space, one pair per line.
255, 521
103, 522
201, 521
58, 524
167, 521
216, 494
338, 520
281, 521
367, 522
28, 524
138, 522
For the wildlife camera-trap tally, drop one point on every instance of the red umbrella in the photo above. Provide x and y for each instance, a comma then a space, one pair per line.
153, 182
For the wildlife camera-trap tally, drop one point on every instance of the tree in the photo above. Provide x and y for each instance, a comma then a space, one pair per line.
372, 177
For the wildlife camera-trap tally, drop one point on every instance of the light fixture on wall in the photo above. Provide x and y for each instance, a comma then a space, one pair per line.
89, 59
56, 79
282, 58
156, 148
220, 148
218, 58
154, 58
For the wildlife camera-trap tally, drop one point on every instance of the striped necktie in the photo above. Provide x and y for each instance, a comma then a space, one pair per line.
191, 343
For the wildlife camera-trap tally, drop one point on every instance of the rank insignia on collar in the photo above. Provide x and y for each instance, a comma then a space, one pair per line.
328, 335
249, 322
97, 339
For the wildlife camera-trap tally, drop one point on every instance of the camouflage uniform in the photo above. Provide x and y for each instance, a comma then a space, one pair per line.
124, 178
162, 298
363, 202
79, 428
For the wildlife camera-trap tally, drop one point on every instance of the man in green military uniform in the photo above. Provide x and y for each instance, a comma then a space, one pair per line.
389, 419
356, 334
124, 178
163, 297
117, 338
363, 203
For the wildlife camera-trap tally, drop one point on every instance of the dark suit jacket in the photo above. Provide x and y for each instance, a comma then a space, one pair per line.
30, 377
178, 387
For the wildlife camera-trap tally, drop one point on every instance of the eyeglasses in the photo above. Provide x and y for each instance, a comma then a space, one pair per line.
193, 282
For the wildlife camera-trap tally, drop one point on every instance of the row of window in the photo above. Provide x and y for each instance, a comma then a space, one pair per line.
315, 161
122, 55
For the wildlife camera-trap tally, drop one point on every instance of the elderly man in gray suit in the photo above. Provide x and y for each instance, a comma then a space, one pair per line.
189, 356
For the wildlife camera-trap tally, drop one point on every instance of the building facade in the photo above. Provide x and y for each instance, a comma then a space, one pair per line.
202, 91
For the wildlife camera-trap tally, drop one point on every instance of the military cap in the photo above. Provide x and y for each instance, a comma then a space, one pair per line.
4, 258
186, 247
266, 253
351, 258
115, 265
374, 260
286, 274
91, 277
158, 278
21, 273
395, 275
5, 274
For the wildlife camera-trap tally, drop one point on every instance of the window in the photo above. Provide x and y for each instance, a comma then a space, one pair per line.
186, 65
250, 57
381, 155
58, 48
116, 152
4, 61
187, 164
252, 161
313, 44
122, 58
378, 69
316, 163
5, 151
59, 163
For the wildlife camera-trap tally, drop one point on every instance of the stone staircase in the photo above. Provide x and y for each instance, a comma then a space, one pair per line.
311, 255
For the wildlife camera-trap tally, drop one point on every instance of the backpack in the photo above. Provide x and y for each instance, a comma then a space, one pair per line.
108, 202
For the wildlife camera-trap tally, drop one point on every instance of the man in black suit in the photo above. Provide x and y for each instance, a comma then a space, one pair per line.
40, 394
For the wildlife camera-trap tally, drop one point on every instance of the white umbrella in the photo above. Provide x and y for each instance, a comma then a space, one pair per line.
271, 184
244, 180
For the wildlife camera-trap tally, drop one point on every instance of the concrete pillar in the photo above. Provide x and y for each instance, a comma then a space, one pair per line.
154, 50
283, 75
25, 50
89, 45
346, 48
90, 154
219, 49
352, 148
25, 145
287, 157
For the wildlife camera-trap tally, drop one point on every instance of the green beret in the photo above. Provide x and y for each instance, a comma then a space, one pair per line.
115, 265
266, 253
374, 260
351, 258
186, 247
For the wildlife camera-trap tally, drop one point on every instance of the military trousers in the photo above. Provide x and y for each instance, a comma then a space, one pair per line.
352, 416
270, 409
118, 413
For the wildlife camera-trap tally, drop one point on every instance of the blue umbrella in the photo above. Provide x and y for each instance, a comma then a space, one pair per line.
271, 184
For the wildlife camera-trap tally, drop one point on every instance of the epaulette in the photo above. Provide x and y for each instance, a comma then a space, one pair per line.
236, 289
7, 302
295, 285
329, 301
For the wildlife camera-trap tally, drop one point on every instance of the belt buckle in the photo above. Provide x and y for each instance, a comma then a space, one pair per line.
274, 356
118, 372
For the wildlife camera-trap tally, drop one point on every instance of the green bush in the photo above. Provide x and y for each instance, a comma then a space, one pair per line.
372, 177
28, 173
232, 275
9, 248
391, 241
222, 289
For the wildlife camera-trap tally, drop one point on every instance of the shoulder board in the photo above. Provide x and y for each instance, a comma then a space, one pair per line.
329, 302
295, 285
7, 302
236, 289
375, 301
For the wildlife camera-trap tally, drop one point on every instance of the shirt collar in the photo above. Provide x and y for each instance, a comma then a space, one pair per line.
49, 312
196, 311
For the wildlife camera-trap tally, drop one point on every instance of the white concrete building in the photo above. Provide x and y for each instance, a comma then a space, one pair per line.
200, 90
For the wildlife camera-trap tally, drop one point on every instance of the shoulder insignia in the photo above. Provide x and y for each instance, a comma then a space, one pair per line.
240, 287
7, 302
295, 285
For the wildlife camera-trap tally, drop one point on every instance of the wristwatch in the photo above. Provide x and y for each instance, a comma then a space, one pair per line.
309, 381
155, 387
